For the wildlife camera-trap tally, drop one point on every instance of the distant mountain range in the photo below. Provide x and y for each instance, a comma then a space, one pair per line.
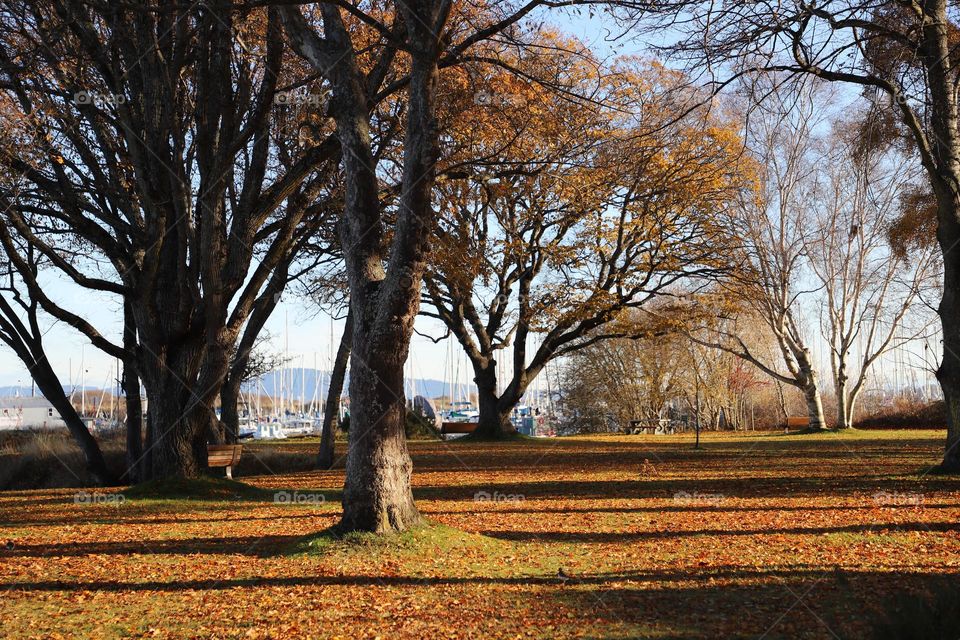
25, 392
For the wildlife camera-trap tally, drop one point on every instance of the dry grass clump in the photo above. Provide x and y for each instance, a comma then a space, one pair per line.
50, 459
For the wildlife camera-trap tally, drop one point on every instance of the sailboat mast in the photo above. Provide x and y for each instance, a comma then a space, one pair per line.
83, 385
316, 381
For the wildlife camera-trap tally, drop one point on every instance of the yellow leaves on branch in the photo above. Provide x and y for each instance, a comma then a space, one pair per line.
601, 176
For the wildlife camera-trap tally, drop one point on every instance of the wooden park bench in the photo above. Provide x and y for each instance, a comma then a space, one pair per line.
458, 427
224, 455
797, 422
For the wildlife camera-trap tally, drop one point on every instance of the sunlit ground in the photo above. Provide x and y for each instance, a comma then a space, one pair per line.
756, 536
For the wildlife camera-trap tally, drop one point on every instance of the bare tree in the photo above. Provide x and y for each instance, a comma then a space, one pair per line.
774, 225
657, 376
869, 291
903, 55
715, 387
624, 379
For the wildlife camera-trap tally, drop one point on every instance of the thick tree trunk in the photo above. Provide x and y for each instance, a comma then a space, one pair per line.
182, 369
949, 372
844, 414
377, 496
177, 436
811, 393
180, 425
331, 415
384, 289
840, 380
943, 168
131, 392
229, 409
494, 421
49, 385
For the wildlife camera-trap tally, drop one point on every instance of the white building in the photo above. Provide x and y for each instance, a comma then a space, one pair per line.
28, 413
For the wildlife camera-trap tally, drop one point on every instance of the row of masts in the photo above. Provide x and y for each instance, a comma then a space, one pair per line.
908, 369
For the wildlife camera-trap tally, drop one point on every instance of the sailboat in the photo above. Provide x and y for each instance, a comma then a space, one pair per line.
458, 410
461, 412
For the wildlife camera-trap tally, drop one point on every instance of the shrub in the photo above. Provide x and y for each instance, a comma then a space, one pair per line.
416, 427
907, 414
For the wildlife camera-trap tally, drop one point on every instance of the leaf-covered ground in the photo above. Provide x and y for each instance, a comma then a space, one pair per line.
756, 536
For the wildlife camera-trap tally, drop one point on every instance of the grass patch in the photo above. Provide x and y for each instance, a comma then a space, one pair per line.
810, 431
430, 552
276, 458
885, 537
514, 436
202, 488
426, 538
